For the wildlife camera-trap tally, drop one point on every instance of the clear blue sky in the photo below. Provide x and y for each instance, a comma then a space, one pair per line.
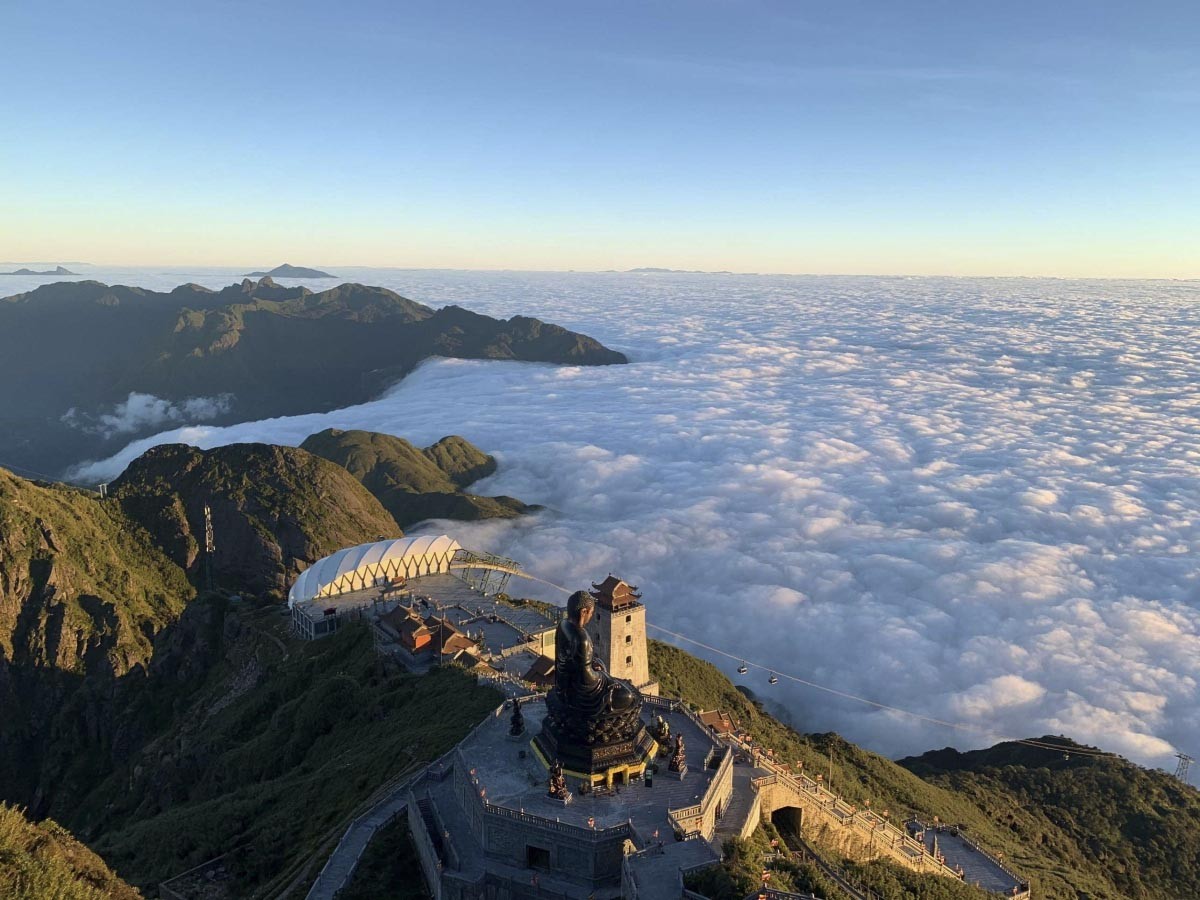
925, 137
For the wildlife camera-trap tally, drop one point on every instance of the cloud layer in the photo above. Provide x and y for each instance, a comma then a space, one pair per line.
138, 412
976, 499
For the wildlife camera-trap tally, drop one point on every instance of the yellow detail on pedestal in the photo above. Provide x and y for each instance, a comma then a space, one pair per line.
608, 777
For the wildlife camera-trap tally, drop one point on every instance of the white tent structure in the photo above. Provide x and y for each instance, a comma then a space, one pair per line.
356, 568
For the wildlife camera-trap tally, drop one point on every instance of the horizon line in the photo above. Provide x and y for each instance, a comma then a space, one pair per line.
660, 270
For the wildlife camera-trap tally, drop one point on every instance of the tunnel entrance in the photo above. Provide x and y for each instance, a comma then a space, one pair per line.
788, 820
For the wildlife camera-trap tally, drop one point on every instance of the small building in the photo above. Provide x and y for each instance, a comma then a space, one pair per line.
414, 634
472, 661
541, 673
445, 639
720, 723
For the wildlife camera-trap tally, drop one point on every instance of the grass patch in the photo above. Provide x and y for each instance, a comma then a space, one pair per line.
389, 869
41, 861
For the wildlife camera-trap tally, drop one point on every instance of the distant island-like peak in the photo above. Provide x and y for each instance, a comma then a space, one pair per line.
290, 271
57, 270
655, 270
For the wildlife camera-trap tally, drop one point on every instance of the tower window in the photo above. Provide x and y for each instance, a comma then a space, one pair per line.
629, 660
629, 638
629, 618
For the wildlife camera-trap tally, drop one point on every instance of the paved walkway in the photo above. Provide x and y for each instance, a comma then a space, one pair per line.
978, 868
733, 818
657, 874
342, 862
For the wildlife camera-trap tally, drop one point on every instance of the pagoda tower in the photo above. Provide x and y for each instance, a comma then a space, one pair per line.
619, 633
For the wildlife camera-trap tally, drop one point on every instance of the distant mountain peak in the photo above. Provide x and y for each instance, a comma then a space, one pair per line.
287, 270
57, 270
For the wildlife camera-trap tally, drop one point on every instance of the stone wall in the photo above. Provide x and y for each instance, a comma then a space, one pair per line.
575, 853
431, 866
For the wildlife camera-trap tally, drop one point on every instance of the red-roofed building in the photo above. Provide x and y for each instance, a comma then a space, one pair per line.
718, 722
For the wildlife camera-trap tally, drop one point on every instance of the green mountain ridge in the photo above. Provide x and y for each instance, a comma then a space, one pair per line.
75, 351
97, 595
275, 510
1139, 826
415, 484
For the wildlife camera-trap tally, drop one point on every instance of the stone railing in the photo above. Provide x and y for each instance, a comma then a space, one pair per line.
672, 704
629, 888
685, 871
882, 834
624, 829
684, 819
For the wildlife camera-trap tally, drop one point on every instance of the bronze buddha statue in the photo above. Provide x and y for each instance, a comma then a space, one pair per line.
592, 718
579, 677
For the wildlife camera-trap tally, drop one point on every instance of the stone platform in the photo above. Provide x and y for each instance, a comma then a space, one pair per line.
499, 829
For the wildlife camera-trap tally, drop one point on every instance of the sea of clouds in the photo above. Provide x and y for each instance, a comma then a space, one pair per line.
975, 499
139, 412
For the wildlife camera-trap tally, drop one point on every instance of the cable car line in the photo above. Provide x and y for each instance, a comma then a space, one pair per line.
744, 666
775, 675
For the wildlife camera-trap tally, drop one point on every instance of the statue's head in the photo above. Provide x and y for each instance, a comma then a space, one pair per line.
580, 607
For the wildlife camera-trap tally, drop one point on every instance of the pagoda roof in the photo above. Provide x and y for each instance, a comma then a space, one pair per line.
613, 593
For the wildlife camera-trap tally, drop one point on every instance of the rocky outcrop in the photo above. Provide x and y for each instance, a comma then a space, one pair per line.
275, 510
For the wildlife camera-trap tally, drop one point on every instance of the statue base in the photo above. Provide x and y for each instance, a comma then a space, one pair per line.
598, 765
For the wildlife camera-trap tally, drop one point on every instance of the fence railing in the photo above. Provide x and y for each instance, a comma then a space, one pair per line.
684, 817
881, 832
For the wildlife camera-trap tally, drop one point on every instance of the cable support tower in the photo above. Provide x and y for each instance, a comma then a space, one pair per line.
1181, 770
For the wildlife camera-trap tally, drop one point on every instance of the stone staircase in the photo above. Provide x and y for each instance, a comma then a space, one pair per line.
744, 805
425, 808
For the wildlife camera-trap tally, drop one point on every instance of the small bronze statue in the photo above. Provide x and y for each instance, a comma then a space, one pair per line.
558, 783
518, 719
662, 729
678, 762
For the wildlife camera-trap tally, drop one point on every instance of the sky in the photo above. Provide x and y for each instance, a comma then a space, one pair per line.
957, 138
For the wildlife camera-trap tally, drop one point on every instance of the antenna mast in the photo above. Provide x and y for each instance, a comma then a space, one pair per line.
209, 548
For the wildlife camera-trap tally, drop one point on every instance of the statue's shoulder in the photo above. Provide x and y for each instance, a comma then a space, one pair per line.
569, 634
571, 631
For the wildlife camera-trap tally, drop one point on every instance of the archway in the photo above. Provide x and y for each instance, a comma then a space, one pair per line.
788, 820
